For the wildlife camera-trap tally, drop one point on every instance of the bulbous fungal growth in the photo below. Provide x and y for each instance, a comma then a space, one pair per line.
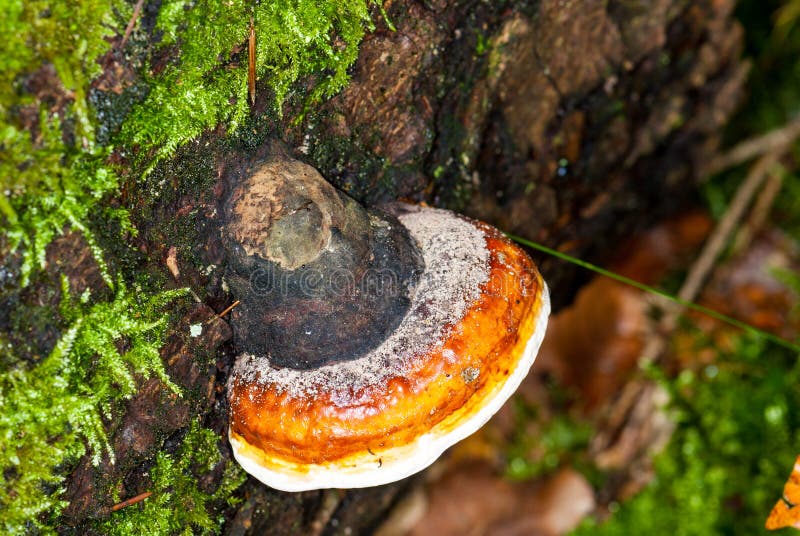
320, 279
372, 340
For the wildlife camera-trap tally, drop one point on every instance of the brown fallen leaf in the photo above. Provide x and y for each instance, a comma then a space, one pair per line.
594, 345
555, 508
649, 256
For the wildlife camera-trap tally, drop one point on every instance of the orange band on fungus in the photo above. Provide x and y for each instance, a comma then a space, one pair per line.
399, 424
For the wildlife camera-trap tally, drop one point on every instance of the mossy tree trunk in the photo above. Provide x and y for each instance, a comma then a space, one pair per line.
569, 123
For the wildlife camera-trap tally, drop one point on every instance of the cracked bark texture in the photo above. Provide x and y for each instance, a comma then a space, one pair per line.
569, 123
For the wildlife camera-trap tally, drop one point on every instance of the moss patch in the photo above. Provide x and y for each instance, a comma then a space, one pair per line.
179, 505
53, 410
51, 171
542, 444
61, 160
204, 81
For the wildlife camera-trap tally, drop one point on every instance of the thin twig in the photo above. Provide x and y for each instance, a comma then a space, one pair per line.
331, 499
228, 309
749, 149
702, 266
761, 210
251, 63
733, 214
132, 500
224, 312
131, 23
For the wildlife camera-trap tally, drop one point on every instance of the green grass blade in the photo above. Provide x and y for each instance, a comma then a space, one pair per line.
652, 290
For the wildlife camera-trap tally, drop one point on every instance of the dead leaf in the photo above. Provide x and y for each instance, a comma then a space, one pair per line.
594, 344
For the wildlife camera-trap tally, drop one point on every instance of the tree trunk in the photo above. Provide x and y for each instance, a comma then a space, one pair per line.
568, 123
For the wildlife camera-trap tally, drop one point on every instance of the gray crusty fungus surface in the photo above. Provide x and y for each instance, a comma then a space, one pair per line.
450, 247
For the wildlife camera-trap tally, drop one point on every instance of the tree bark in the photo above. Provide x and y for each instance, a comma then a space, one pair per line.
569, 123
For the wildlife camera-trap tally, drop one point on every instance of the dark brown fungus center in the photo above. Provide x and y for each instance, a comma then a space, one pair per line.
320, 278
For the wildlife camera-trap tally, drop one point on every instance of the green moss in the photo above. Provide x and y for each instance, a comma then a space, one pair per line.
724, 469
205, 80
54, 409
178, 505
69, 186
70, 36
51, 172
55, 173
50, 184
540, 446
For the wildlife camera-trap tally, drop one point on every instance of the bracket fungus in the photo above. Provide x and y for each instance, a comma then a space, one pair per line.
371, 340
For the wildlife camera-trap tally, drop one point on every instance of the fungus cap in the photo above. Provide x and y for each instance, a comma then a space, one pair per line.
476, 319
